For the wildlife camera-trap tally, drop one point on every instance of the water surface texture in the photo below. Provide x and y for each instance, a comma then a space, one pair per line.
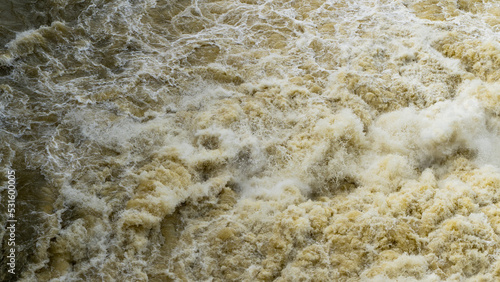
251, 140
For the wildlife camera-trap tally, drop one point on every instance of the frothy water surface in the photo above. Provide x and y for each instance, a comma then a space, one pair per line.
252, 140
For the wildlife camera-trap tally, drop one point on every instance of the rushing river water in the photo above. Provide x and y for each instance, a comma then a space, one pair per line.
251, 140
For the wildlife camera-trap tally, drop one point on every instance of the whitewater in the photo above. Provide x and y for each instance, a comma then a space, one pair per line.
251, 140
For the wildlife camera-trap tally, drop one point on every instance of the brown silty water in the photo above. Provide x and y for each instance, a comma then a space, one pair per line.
251, 140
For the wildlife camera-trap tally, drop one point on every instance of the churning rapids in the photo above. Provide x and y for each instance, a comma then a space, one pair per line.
251, 140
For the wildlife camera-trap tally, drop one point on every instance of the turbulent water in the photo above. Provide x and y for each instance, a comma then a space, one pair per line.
251, 140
